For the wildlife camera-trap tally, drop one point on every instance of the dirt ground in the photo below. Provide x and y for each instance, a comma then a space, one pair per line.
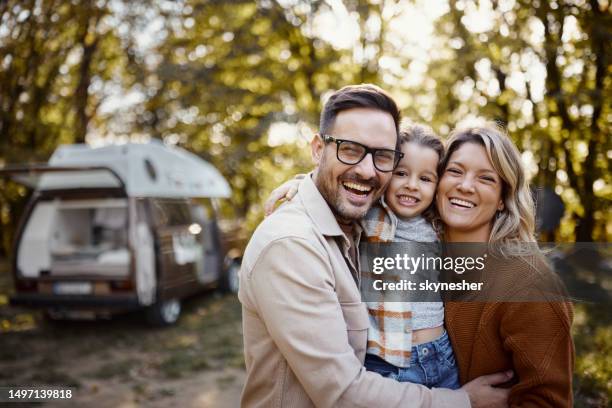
123, 362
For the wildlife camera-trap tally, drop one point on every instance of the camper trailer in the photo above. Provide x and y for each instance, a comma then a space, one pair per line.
118, 228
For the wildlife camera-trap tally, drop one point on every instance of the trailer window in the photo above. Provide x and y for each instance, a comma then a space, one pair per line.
172, 212
70, 236
89, 227
203, 208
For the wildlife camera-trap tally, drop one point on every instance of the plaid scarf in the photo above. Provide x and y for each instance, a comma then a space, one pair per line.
390, 330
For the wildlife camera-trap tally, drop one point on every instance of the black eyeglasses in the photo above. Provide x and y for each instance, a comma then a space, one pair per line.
349, 152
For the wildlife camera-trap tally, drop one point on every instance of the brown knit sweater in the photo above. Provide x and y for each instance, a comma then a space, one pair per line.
531, 338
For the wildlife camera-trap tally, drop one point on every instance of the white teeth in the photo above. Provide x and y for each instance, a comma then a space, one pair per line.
359, 187
410, 199
462, 203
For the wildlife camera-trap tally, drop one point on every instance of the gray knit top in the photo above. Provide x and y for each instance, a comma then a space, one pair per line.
418, 229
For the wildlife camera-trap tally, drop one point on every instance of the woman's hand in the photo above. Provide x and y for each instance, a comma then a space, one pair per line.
285, 191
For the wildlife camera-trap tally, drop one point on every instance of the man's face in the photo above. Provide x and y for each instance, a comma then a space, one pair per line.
350, 190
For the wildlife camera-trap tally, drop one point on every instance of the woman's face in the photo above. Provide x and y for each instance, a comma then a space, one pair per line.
469, 194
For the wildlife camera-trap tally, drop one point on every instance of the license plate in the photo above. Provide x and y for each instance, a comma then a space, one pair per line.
72, 288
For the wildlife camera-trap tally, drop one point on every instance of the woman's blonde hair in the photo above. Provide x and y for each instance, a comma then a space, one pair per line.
514, 226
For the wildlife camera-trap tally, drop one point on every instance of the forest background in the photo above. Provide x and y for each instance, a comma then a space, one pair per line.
241, 84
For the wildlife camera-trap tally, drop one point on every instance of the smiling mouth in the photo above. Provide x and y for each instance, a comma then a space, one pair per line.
357, 188
406, 199
456, 202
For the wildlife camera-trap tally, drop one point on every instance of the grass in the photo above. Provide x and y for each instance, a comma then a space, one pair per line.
593, 341
207, 337
139, 388
182, 363
115, 369
12, 351
53, 377
47, 361
224, 382
167, 392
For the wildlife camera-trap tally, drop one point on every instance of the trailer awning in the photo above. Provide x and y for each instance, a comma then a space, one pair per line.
63, 177
141, 170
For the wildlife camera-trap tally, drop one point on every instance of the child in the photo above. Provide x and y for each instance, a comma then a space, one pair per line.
404, 216
406, 341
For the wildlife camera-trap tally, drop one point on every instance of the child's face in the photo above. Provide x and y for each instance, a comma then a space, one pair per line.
413, 185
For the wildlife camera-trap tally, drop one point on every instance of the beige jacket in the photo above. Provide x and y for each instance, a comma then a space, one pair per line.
304, 325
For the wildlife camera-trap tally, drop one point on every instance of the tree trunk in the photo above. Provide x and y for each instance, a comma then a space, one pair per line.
81, 97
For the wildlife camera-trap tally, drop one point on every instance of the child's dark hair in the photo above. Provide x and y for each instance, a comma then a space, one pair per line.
424, 136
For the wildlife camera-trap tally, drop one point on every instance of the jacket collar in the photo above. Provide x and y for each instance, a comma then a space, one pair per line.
317, 208
325, 221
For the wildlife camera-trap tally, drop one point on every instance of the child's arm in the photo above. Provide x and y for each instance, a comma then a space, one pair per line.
285, 191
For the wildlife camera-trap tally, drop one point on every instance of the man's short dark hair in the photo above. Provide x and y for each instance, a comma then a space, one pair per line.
358, 96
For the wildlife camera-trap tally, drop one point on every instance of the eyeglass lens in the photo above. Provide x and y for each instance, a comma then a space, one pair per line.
353, 153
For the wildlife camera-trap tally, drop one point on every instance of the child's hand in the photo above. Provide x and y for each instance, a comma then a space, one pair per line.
285, 191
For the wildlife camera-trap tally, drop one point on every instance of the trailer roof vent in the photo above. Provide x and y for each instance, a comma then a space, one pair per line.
150, 169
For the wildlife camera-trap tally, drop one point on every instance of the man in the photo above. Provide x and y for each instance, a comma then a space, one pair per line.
305, 327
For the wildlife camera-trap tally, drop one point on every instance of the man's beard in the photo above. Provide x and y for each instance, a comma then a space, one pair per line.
330, 190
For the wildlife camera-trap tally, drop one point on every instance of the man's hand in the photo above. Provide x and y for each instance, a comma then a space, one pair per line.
285, 191
483, 394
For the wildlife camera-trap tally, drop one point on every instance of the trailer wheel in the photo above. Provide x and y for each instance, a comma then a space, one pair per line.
164, 312
230, 282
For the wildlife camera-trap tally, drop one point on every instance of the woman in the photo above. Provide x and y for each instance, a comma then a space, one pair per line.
483, 196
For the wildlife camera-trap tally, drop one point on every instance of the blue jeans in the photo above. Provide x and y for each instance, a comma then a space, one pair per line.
431, 364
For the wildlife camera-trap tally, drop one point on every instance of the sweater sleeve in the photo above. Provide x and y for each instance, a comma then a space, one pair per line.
538, 336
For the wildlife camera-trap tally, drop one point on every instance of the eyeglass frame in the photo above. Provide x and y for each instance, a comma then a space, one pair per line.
370, 150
